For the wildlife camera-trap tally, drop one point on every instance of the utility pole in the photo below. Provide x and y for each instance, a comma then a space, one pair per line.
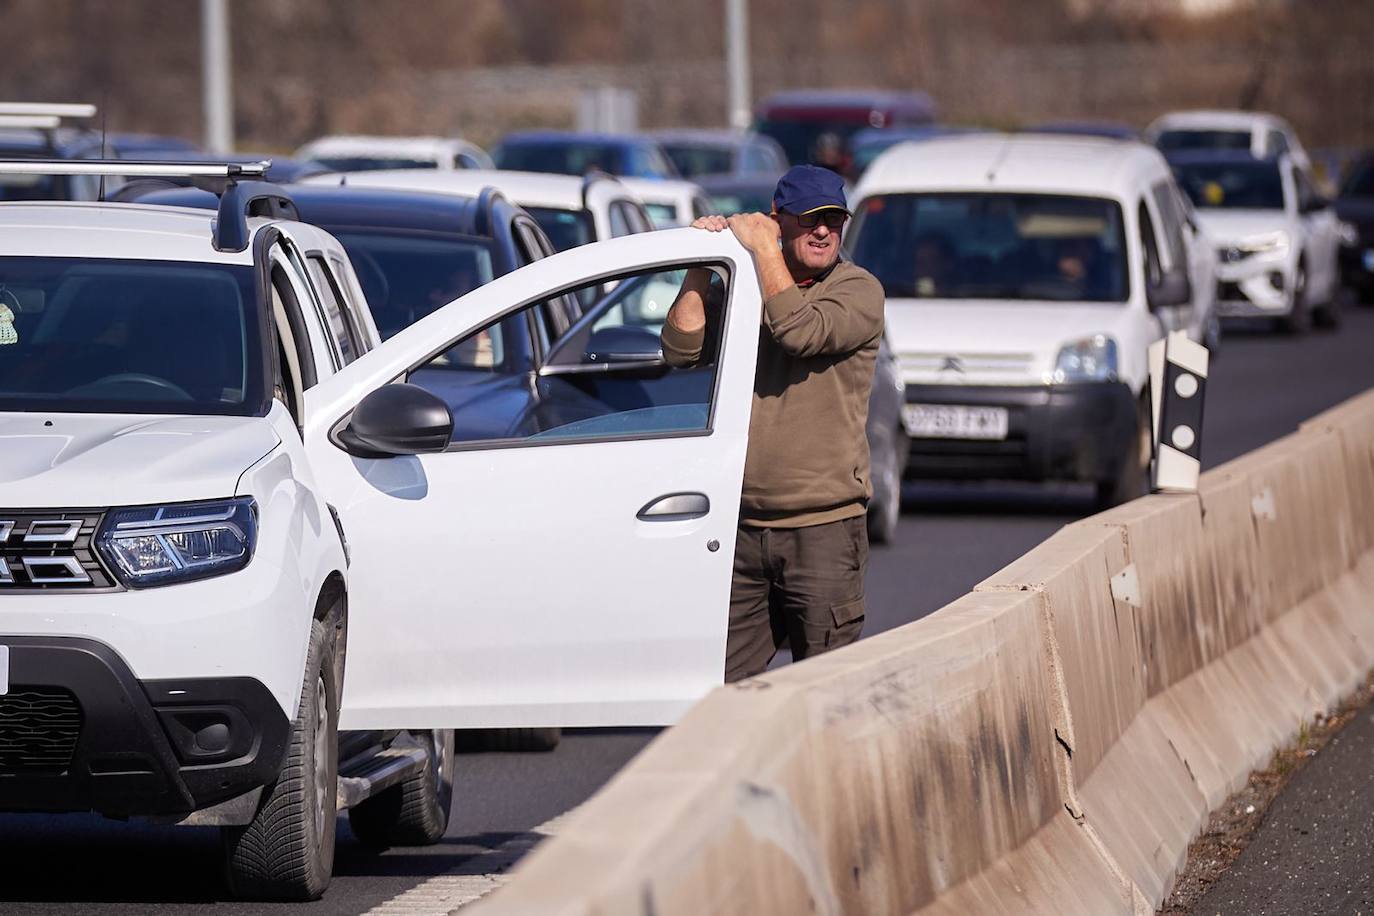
737, 63
216, 84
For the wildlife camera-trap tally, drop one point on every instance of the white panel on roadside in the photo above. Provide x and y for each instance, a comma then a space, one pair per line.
1178, 388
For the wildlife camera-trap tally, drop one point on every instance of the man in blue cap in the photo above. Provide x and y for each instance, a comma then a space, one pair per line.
802, 545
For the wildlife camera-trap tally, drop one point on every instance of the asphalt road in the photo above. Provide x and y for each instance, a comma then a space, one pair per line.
951, 537
1314, 853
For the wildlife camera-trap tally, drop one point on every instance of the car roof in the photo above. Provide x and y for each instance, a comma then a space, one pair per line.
528, 189
574, 136
368, 145
61, 143
1215, 119
826, 99
339, 206
1088, 166
1116, 130
114, 230
706, 136
661, 189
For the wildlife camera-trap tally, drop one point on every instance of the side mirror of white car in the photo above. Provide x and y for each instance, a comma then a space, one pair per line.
398, 419
1172, 289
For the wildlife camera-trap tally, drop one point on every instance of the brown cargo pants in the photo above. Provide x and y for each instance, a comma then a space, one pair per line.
804, 586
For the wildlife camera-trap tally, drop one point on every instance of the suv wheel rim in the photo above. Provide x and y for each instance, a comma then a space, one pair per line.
322, 787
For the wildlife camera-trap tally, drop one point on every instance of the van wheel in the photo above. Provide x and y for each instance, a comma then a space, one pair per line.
509, 740
1132, 479
413, 812
885, 509
287, 852
1328, 316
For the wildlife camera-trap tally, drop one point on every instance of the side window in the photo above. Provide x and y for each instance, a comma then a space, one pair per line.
1171, 218
354, 304
557, 314
331, 295
1278, 143
1154, 270
605, 377
620, 219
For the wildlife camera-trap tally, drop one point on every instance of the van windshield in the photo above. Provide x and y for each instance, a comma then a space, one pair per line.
993, 246
1232, 185
1171, 141
112, 336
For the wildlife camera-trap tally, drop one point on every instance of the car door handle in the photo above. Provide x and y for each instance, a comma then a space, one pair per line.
675, 507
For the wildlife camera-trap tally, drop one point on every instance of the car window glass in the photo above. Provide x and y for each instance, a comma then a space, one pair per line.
620, 220
605, 377
564, 228
331, 298
354, 305
1154, 272
1171, 221
287, 288
1278, 143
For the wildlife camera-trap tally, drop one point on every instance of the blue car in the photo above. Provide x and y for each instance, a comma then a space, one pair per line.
576, 153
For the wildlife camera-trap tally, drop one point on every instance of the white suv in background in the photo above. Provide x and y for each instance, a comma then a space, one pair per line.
1265, 136
233, 523
1277, 238
353, 153
1026, 277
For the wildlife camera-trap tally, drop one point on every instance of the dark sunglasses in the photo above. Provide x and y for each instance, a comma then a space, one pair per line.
833, 219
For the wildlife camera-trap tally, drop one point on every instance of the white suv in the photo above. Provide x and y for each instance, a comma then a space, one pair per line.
1026, 277
1258, 133
217, 485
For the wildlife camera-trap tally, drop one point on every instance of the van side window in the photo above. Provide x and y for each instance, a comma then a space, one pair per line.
345, 337
1171, 217
1154, 270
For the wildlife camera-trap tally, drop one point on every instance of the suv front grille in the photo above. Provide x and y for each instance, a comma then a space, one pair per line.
38, 730
50, 550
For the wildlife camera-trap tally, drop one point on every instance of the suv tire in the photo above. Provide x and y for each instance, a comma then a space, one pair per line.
413, 812
1299, 320
287, 852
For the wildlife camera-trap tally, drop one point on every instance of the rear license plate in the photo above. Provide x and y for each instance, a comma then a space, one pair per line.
942, 421
4, 670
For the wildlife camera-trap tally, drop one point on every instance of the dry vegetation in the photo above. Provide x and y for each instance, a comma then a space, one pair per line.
481, 67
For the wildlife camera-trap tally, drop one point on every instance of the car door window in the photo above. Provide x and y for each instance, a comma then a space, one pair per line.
331, 298
605, 377
1149, 246
1171, 220
620, 219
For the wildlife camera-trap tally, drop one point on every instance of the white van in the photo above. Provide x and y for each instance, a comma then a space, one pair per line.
1026, 277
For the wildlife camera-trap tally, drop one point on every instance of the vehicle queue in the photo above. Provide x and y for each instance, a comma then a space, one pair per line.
1026, 274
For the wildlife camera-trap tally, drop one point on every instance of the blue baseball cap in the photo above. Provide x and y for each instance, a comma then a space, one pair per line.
808, 188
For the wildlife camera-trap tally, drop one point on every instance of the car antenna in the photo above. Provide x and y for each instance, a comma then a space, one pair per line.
1000, 158
104, 116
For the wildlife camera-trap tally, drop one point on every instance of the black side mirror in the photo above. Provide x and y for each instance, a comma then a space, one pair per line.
1172, 289
399, 419
623, 344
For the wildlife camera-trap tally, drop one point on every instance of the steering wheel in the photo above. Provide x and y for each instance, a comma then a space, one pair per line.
143, 378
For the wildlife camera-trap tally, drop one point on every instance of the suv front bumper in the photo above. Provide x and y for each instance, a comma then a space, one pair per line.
1054, 432
79, 732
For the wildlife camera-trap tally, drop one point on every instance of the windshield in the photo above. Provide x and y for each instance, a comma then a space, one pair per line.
693, 159
1172, 140
571, 158
372, 163
1361, 181
406, 276
993, 246
1232, 185
743, 200
93, 335
565, 228
663, 216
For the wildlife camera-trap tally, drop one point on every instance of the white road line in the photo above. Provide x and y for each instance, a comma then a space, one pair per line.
445, 894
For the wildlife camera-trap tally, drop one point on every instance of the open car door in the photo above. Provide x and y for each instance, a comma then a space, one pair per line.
576, 572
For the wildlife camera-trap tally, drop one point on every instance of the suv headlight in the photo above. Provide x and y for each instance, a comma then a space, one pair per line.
1269, 243
1090, 359
160, 545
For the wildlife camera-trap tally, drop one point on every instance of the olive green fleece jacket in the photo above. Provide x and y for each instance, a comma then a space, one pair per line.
807, 461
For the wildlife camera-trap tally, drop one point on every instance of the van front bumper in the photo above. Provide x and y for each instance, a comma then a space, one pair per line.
1054, 432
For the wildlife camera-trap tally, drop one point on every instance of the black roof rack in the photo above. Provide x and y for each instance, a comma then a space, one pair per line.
241, 193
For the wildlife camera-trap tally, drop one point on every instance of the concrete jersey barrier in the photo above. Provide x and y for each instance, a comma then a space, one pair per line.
1048, 743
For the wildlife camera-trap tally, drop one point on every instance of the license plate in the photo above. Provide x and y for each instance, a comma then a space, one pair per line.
4, 670
942, 421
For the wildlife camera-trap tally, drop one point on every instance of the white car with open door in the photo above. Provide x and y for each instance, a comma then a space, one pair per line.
228, 487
